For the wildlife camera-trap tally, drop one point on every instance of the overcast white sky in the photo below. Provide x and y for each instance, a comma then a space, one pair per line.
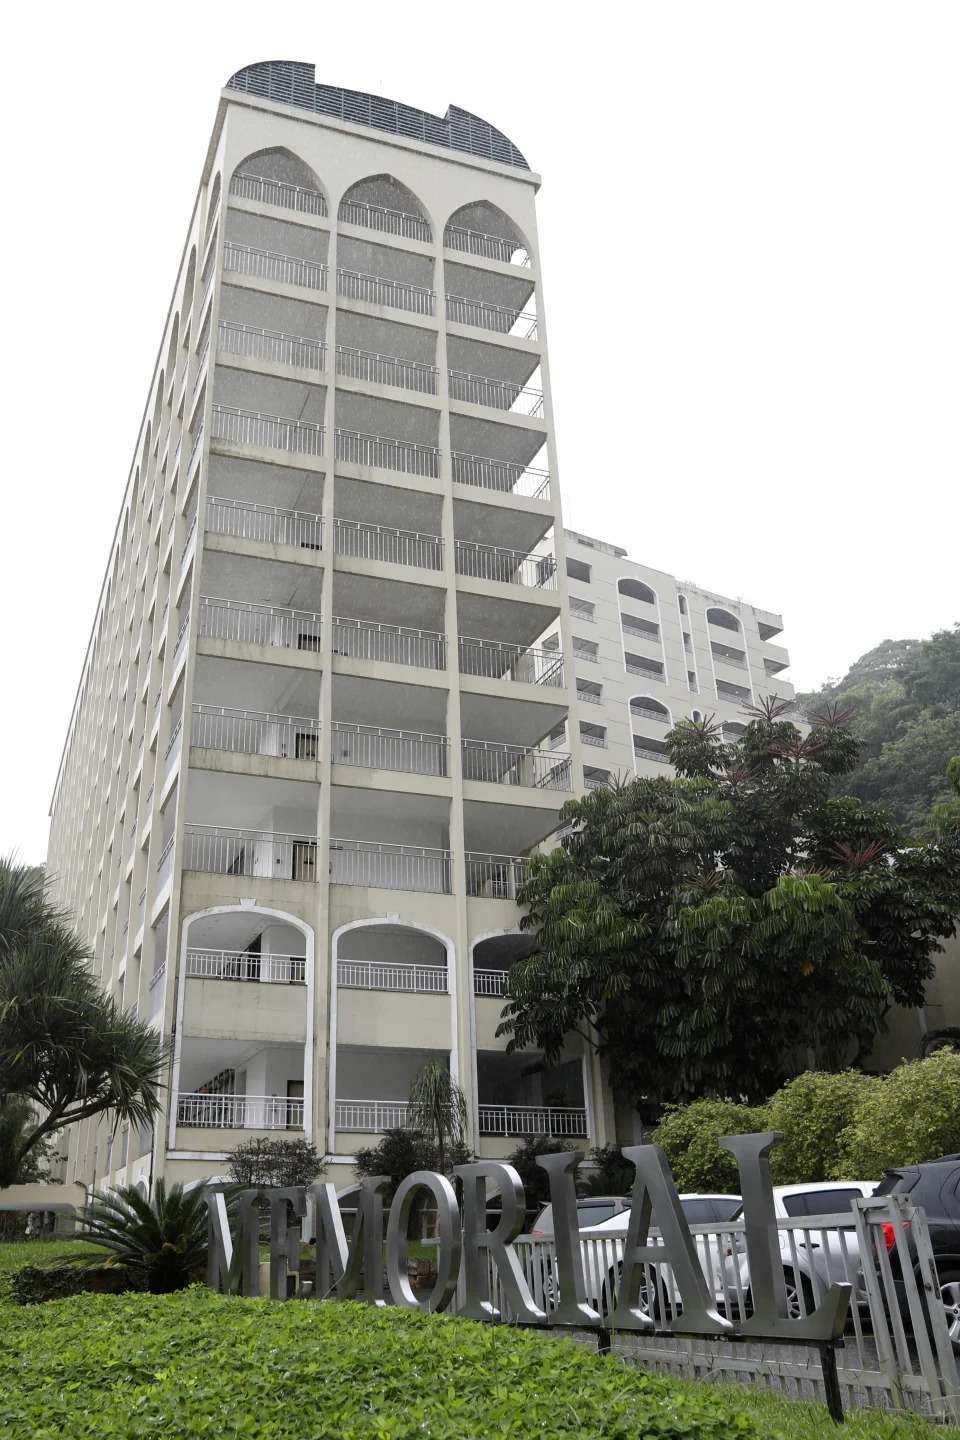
750, 238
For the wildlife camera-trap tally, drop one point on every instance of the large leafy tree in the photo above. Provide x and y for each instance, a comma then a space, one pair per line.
67, 1051
716, 933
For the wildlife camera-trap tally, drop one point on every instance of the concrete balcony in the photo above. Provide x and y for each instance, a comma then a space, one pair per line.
505, 567
226, 850
239, 1112
486, 247
382, 866
494, 877
271, 265
253, 732
639, 665
370, 1116
386, 544
374, 747
502, 475
482, 315
650, 750
268, 524
499, 764
371, 368
380, 290
526, 665
269, 625
264, 191
381, 452
490, 982
389, 644
519, 1120
266, 432
155, 992
385, 220
373, 975
248, 342
496, 394
265, 969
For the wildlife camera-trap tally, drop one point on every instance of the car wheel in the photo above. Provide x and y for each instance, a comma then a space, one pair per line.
800, 1299
950, 1294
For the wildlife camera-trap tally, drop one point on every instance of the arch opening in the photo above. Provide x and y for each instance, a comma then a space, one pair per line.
636, 590
645, 707
278, 177
482, 228
723, 618
380, 202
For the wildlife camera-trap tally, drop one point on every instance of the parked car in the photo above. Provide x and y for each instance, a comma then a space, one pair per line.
591, 1210
821, 1255
935, 1188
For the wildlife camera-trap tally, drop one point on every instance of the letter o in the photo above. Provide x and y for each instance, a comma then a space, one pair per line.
449, 1248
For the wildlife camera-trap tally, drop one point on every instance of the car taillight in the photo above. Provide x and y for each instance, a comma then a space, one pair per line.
890, 1233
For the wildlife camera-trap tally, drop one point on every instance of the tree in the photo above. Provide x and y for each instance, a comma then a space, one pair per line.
275, 1163
398, 1154
438, 1108
612, 1174
536, 1181
913, 1115
715, 934
65, 1046
690, 1135
162, 1241
813, 1111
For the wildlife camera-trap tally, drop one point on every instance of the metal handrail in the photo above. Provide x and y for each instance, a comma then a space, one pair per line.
289, 197
507, 567
259, 624
599, 742
239, 1112
272, 432
155, 991
531, 1120
370, 1116
265, 967
394, 644
273, 265
379, 865
190, 534
174, 738
245, 520
388, 544
298, 351
378, 975
503, 475
384, 219
380, 290
254, 732
633, 667
647, 754
383, 452
391, 370
489, 982
489, 247
495, 394
735, 661
378, 748
502, 764
482, 315
499, 661
236, 850
494, 877
589, 697
659, 715
181, 636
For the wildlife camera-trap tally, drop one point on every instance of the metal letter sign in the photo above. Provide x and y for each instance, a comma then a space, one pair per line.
470, 1253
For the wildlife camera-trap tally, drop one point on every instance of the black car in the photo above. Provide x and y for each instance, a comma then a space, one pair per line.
935, 1188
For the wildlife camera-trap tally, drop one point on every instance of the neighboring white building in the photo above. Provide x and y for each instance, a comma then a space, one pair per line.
315, 733
648, 651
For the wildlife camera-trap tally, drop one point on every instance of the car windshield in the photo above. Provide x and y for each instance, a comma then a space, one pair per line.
820, 1202
594, 1214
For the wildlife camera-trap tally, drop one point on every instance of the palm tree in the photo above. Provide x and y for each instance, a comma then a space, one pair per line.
161, 1242
438, 1108
66, 1047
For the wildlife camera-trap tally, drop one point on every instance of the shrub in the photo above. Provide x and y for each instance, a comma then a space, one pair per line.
613, 1175
690, 1133
34, 1283
398, 1154
197, 1364
813, 1111
911, 1116
161, 1242
276, 1163
536, 1182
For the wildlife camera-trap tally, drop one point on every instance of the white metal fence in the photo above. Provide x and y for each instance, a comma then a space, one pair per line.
390, 370
259, 624
265, 191
389, 222
501, 475
223, 850
381, 452
488, 247
270, 969
269, 432
494, 877
155, 993
268, 523
271, 265
375, 747
647, 752
373, 975
496, 394
649, 714
651, 672
506, 567
501, 764
165, 864
498, 661
393, 644
239, 1112
370, 1116
379, 290
390, 867
531, 1120
482, 315
255, 732
273, 345
385, 543
489, 982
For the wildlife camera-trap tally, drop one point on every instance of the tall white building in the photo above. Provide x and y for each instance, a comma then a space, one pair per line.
318, 726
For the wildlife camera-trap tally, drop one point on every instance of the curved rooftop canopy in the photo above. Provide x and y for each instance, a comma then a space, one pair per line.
289, 82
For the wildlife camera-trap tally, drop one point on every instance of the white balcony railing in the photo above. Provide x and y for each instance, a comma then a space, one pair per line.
255, 732
636, 667
378, 290
296, 350
506, 567
482, 315
181, 639
268, 523
382, 542
531, 1120
239, 1112
590, 697
277, 192
371, 975
502, 475
497, 661
499, 764
496, 394
738, 662
488, 247
191, 532
645, 752
649, 714
155, 992
377, 748
494, 877
141, 908
201, 371
645, 632
389, 370
389, 222
222, 850
587, 737
370, 1116
269, 969
165, 864
195, 450
489, 982
391, 644
250, 624
381, 452
173, 748
271, 265
390, 867
269, 432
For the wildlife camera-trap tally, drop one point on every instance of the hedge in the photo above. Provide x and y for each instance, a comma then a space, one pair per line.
201, 1364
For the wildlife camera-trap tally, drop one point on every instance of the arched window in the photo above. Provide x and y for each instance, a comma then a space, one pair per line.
380, 202
483, 229
646, 707
723, 618
637, 591
278, 177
